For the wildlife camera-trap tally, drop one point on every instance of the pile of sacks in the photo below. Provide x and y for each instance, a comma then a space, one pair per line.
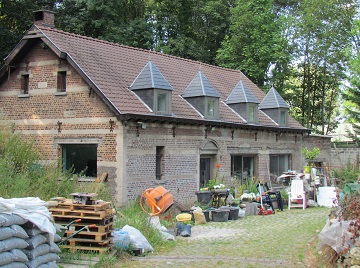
27, 243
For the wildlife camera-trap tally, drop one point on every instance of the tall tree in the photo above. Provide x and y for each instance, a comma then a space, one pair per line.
120, 21
191, 29
352, 93
255, 44
322, 33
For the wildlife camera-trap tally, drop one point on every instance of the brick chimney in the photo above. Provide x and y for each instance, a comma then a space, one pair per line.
44, 18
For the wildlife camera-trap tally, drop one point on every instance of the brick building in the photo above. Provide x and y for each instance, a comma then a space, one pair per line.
143, 117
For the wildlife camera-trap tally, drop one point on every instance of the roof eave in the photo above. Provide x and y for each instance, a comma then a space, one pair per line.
187, 121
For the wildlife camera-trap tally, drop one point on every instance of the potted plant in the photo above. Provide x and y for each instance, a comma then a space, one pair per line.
310, 156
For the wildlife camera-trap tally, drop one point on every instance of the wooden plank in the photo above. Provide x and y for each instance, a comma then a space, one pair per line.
98, 228
89, 242
85, 220
94, 236
55, 211
97, 207
87, 248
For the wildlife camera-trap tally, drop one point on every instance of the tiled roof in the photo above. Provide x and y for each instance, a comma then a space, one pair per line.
150, 77
200, 86
113, 68
241, 93
273, 100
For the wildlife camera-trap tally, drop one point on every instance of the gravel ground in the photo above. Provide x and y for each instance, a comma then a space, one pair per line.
277, 240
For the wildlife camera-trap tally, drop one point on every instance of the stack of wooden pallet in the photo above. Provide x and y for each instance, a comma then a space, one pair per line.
98, 216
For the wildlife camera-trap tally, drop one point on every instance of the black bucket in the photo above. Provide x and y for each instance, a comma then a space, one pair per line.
220, 215
207, 215
234, 213
203, 197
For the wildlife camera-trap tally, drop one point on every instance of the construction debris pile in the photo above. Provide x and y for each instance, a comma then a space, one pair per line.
27, 234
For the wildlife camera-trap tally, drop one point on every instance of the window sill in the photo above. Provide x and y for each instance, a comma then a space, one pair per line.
24, 95
60, 94
86, 179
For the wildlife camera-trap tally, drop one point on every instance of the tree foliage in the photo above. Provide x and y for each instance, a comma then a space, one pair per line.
321, 37
255, 43
352, 93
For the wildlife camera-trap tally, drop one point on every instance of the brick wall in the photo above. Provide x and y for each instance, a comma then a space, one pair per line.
83, 116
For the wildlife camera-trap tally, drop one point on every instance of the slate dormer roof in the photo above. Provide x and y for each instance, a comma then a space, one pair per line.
273, 100
240, 94
200, 86
150, 78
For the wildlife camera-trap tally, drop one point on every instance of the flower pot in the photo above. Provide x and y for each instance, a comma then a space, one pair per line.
220, 215
203, 197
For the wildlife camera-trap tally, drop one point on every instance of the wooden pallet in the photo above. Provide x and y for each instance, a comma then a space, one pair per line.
98, 228
68, 204
56, 211
85, 220
87, 248
93, 236
89, 242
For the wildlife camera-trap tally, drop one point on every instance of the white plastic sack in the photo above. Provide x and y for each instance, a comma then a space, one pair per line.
137, 240
336, 235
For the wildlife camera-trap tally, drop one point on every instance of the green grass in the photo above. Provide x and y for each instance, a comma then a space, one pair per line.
277, 240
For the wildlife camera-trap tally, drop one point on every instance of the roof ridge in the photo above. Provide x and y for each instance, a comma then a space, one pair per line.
136, 48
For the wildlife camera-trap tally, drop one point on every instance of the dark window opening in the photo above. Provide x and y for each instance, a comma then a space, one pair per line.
279, 164
242, 167
39, 15
159, 162
61, 82
80, 159
24, 84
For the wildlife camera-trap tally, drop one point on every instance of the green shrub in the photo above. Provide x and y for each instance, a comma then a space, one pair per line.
22, 175
348, 174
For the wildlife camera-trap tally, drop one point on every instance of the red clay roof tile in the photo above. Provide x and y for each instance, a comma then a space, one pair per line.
113, 67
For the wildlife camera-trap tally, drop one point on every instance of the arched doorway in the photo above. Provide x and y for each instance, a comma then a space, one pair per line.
208, 157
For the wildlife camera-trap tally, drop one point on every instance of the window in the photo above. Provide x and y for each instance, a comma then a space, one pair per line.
279, 164
211, 108
24, 84
161, 102
242, 167
159, 162
80, 159
251, 114
282, 118
61, 82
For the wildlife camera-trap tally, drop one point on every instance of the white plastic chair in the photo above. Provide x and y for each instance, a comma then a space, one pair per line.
297, 193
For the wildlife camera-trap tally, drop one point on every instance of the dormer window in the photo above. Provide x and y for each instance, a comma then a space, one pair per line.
275, 107
212, 107
251, 113
153, 89
163, 102
244, 102
203, 96
283, 118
